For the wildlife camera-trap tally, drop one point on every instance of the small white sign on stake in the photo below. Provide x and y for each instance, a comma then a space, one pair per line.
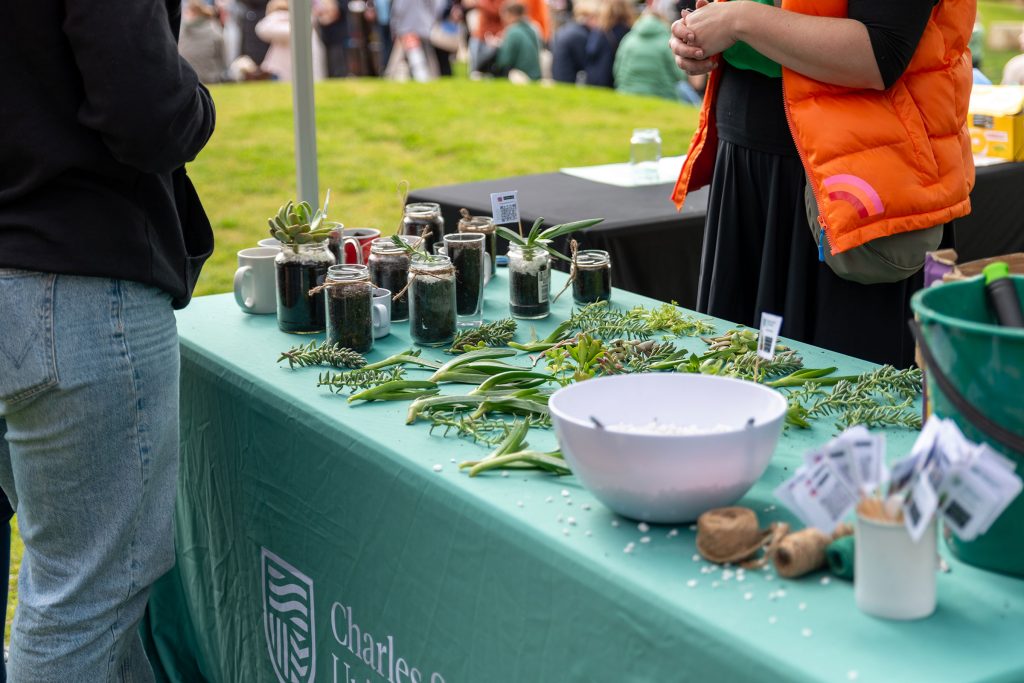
768, 335
505, 207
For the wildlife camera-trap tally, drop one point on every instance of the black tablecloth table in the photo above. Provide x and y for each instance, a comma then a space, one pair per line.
655, 251
996, 223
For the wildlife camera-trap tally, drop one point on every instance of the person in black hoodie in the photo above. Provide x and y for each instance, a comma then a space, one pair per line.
101, 235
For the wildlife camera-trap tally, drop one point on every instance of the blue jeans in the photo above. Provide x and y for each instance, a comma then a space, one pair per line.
89, 409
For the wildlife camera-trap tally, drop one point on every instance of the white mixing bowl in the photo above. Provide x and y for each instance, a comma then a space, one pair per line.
667, 477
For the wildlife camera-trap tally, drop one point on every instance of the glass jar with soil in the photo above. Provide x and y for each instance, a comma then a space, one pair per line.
389, 268
424, 219
431, 300
466, 252
593, 278
529, 282
348, 296
483, 225
298, 269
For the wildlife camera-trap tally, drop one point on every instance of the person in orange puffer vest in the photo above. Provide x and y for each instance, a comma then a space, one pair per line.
837, 133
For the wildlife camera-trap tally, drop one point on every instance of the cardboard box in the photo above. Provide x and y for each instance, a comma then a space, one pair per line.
995, 119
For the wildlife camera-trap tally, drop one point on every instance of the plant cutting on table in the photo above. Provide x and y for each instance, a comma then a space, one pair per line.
510, 392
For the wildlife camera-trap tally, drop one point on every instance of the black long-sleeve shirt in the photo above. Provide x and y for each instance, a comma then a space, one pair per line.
98, 115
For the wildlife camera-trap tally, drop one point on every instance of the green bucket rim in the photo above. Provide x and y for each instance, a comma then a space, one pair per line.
929, 314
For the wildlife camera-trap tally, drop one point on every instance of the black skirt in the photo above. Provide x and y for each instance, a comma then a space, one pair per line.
759, 255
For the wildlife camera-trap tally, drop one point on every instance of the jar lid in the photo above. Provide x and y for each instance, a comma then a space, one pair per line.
424, 262
423, 209
348, 272
385, 245
593, 258
476, 224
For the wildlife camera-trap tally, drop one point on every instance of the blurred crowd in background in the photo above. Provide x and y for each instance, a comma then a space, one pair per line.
597, 43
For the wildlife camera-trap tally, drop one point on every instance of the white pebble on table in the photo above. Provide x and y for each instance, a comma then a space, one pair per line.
586, 506
615, 522
692, 583
548, 499
645, 539
825, 581
852, 675
571, 521
587, 532
643, 527
772, 619
437, 468
696, 557
748, 596
802, 606
565, 532
629, 547
672, 533
519, 503
806, 633
565, 493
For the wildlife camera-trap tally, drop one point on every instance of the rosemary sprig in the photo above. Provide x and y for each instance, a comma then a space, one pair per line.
496, 333
897, 415
359, 379
309, 354
883, 397
411, 250
600, 320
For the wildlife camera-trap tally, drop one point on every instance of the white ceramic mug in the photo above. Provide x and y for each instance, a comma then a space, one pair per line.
254, 280
271, 242
893, 577
381, 312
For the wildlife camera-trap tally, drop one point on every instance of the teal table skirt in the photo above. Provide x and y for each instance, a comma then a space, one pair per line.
319, 541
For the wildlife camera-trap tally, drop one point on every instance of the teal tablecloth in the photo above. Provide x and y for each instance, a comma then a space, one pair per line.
306, 525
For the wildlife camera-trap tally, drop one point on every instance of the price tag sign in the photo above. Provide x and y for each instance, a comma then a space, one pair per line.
505, 207
768, 335
818, 495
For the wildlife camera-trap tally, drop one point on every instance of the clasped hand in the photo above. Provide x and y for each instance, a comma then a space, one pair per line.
700, 36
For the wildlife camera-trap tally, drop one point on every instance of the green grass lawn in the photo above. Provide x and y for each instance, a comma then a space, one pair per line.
372, 134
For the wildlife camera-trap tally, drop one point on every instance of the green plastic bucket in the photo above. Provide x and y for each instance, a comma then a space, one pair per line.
984, 364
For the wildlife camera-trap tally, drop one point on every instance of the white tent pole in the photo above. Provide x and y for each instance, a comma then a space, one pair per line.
300, 22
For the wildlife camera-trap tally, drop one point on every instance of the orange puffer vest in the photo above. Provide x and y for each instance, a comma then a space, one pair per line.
880, 161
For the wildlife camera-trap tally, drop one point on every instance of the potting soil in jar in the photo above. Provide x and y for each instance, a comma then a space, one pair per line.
349, 297
296, 273
424, 219
529, 279
468, 259
483, 225
389, 268
593, 279
432, 301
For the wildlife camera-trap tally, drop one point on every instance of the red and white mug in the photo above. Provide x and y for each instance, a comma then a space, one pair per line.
352, 245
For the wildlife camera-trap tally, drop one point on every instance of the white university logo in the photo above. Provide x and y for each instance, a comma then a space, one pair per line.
288, 620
